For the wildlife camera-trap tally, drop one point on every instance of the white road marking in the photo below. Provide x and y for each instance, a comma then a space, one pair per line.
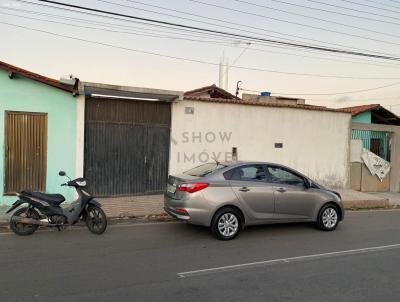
286, 260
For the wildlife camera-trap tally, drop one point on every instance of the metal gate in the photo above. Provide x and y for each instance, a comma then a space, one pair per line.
25, 151
374, 141
126, 146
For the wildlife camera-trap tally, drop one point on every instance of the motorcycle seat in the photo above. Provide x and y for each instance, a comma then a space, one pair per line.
54, 199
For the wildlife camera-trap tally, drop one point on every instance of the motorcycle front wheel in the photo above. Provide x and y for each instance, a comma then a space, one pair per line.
96, 220
23, 229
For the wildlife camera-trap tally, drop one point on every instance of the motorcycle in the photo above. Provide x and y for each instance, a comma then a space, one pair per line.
44, 210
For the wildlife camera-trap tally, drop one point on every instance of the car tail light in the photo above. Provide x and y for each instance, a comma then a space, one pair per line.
193, 187
182, 212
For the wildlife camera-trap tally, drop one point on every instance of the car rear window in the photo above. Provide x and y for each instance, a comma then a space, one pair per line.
205, 169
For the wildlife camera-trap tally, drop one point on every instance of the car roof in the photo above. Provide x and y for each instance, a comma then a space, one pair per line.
248, 162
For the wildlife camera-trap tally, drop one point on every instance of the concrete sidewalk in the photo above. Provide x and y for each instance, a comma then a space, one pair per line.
138, 206
393, 198
361, 200
133, 206
119, 207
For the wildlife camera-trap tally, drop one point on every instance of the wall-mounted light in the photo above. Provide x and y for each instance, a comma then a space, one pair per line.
189, 110
68, 80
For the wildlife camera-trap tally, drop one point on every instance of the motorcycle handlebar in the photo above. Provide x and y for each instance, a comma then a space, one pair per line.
64, 184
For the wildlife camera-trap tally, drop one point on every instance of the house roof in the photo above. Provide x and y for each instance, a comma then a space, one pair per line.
259, 103
37, 77
379, 114
356, 110
213, 90
223, 96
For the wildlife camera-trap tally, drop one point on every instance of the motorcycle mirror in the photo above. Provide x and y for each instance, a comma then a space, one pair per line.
62, 173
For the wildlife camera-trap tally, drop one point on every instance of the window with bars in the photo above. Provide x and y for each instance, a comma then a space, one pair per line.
25, 151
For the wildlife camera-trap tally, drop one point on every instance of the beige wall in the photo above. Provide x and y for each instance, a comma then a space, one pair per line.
314, 142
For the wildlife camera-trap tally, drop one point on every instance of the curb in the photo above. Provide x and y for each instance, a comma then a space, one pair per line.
4, 226
366, 204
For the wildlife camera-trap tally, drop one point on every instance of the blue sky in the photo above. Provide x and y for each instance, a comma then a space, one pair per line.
55, 56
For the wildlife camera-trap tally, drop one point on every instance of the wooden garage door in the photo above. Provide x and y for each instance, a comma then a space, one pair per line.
126, 146
25, 151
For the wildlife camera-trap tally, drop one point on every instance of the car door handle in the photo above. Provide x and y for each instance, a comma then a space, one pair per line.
244, 189
281, 190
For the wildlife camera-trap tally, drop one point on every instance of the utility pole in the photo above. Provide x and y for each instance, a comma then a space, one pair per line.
223, 73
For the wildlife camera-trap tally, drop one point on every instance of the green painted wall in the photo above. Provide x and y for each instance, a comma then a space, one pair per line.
22, 94
364, 117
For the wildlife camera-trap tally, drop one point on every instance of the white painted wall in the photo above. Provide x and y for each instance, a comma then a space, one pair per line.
315, 143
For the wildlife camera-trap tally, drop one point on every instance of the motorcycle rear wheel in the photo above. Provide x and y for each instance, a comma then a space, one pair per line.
96, 220
21, 228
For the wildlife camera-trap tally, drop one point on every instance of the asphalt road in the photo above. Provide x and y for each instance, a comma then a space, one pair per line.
145, 262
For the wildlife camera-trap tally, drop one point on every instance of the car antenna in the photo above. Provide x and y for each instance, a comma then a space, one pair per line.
216, 161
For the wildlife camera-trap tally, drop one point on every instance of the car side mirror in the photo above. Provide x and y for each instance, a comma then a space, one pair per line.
62, 173
307, 183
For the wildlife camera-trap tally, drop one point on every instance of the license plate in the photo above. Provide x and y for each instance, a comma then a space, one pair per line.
171, 188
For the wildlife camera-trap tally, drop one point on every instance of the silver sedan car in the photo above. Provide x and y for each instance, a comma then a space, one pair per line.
228, 196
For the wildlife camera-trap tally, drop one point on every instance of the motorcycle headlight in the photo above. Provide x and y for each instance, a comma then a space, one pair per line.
81, 183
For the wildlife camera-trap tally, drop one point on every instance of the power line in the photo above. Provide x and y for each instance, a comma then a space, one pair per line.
356, 100
181, 27
209, 18
384, 4
225, 33
195, 60
352, 9
241, 54
325, 58
224, 21
220, 20
341, 13
334, 93
292, 22
145, 33
216, 42
125, 20
192, 32
117, 31
178, 28
315, 18
371, 6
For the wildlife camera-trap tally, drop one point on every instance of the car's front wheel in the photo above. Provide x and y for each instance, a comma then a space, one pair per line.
328, 218
226, 223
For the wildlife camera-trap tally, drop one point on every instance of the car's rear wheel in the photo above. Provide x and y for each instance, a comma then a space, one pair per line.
226, 223
24, 229
328, 218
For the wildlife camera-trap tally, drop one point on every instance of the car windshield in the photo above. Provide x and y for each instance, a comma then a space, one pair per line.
205, 169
